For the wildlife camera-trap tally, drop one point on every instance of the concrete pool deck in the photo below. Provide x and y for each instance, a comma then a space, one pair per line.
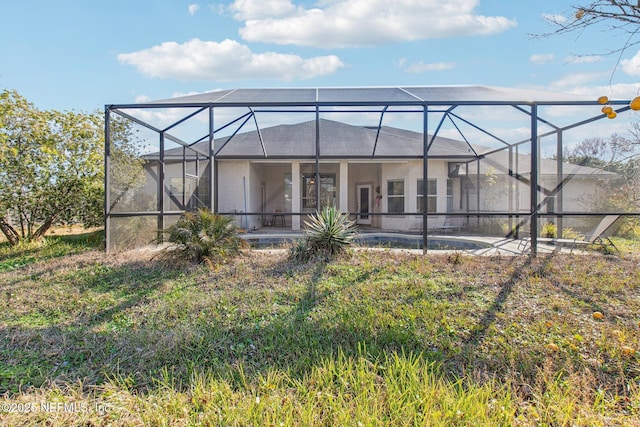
469, 244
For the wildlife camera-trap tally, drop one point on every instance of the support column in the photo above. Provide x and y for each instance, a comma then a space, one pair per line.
478, 186
161, 186
425, 176
213, 182
516, 159
184, 178
343, 203
535, 152
478, 193
558, 205
318, 185
510, 191
107, 178
296, 195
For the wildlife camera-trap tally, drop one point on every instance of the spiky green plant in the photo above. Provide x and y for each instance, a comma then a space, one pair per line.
329, 232
204, 236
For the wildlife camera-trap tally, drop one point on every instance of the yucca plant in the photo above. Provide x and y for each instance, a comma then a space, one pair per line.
329, 232
204, 236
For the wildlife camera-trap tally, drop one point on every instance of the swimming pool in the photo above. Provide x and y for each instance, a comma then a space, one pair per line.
376, 240
415, 242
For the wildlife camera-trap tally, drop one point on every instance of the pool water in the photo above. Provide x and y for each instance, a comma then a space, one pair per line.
401, 242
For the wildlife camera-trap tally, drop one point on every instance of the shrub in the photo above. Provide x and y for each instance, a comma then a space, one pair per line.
549, 230
204, 236
299, 250
329, 233
570, 233
629, 228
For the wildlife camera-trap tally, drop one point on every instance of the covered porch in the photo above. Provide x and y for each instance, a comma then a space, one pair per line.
379, 195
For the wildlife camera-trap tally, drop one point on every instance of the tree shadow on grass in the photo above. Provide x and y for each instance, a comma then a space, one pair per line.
583, 292
497, 306
501, 347
18, 257
69, 331
115, 341
506, 289
131, 338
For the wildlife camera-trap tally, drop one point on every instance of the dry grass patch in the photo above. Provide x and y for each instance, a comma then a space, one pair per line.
379, 338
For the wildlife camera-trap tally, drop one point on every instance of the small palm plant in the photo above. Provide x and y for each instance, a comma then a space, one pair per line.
329, 233
204, 236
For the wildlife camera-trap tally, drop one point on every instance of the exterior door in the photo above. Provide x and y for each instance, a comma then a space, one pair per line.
365, 204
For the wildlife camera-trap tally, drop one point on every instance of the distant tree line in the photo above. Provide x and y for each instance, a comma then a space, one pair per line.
614, 154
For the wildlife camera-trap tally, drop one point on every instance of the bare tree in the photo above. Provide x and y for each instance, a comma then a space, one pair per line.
622, 17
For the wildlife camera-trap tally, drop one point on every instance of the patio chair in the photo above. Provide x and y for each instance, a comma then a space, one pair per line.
455, 223
599, 234
596, 236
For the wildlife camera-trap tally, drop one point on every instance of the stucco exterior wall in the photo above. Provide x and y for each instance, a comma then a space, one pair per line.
410, 172
579, 194
233, 190
264, 189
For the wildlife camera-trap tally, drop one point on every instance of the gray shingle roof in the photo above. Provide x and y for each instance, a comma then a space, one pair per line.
344, 141
337, 140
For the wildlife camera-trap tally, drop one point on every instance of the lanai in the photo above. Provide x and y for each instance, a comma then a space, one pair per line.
210, 120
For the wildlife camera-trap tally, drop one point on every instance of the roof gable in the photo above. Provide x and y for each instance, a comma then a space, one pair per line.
336, 139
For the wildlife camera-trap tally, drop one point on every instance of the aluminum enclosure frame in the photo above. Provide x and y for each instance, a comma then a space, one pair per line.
382, 101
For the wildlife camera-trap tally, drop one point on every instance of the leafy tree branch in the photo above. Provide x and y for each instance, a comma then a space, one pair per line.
51, 168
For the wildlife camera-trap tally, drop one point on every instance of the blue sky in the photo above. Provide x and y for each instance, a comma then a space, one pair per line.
81, 55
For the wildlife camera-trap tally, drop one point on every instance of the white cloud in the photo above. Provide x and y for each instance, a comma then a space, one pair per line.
576, 79
631, 66
193, 8
142, 98
225, 61
351, 23
586, 59
554, 19
624, 91
261, 9
421, 67
541, 58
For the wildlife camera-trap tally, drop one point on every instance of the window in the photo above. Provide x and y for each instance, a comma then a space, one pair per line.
327, 191
395, 195
432, 196
449, 195
185, 194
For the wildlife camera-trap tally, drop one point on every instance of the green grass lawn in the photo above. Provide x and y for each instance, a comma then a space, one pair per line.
376, 338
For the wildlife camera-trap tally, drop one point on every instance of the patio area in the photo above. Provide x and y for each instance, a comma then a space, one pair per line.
279, 238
